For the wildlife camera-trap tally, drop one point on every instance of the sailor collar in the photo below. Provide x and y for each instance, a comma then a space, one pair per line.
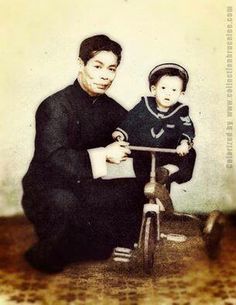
151, 107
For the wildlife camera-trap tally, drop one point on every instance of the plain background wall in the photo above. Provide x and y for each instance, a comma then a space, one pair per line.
39, 47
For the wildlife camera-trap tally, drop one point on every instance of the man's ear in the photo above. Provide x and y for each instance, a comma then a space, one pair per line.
81, 64
153, 89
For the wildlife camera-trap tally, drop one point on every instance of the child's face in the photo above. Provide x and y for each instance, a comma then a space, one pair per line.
167, 91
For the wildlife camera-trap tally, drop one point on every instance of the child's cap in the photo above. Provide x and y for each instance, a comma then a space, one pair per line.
159, 68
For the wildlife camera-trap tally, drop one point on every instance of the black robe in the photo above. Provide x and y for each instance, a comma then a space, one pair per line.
60, 197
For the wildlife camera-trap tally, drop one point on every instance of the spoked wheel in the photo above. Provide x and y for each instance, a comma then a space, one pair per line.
212, 233
149, 241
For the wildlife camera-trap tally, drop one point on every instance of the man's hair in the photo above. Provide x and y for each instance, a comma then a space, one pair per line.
91, 45
156, 75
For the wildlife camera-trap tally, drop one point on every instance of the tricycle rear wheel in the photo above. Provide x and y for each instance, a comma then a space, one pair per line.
213, 232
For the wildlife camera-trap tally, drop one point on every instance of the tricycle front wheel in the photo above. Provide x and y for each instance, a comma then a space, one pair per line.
149, 241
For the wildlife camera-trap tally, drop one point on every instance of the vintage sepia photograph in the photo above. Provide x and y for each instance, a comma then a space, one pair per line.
118, 156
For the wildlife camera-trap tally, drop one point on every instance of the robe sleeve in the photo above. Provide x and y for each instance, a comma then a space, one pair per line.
52, 146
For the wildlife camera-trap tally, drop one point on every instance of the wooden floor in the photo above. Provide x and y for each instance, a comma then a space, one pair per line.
182, 275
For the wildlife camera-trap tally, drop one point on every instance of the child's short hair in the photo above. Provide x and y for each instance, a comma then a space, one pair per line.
170, 69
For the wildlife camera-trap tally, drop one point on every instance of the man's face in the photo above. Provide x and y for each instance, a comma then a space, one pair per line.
99, 72
167, 91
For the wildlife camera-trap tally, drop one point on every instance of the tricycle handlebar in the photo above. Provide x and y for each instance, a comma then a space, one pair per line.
152, 149
149, 149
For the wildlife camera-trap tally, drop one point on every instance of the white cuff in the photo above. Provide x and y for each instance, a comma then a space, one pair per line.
98, 161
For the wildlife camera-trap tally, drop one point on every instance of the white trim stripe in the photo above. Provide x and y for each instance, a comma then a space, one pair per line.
124, 132
149, 109
187, 124
123, 250
177, 109
121, 259
168, 65
184, 134
122, 255
156, 136
164, 116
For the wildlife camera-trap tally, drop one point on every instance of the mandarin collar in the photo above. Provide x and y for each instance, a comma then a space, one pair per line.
82, 94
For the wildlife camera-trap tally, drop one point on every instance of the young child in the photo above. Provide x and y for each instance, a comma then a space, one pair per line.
162, 121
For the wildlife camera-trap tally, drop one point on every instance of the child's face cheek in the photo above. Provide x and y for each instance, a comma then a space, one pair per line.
167, 99
174, 97
168, 90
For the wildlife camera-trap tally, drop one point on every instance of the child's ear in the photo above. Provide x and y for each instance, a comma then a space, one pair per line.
80, 64
153, 89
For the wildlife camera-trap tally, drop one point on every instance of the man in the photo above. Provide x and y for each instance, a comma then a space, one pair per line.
75, 213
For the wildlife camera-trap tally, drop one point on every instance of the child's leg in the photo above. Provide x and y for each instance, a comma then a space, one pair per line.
184, 163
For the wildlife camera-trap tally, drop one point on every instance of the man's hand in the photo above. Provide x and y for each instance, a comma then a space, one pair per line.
117, 152
183, 148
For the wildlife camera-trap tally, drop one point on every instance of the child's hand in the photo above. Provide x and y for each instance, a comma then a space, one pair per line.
117, 135
183, 148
